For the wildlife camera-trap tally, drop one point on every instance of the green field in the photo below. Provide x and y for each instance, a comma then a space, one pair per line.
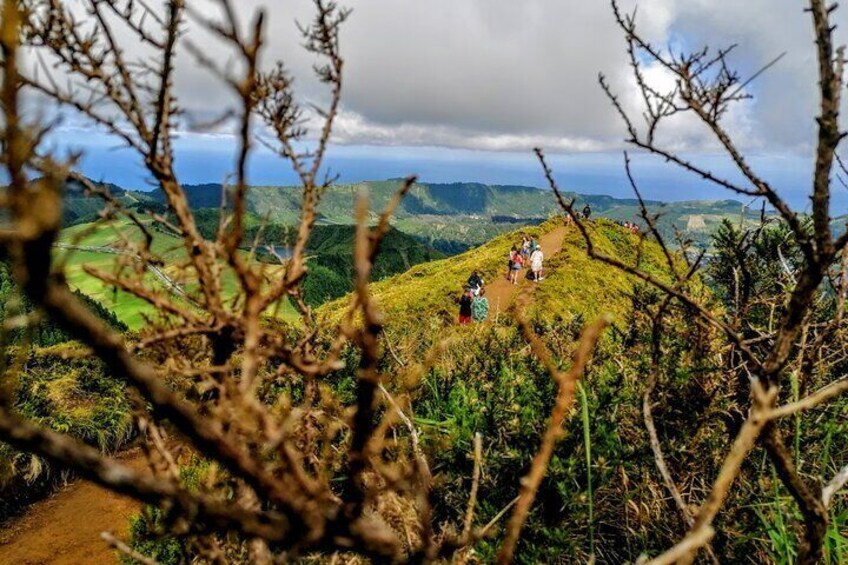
130, 309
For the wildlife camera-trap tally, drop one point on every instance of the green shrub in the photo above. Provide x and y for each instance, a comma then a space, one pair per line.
64, 389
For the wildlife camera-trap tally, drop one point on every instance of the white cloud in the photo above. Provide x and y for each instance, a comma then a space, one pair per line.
509, 75
352, 128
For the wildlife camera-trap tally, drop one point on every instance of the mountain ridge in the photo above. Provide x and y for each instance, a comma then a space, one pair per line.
450, 217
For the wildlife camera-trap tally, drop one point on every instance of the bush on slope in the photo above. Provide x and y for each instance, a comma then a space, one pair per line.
486, 381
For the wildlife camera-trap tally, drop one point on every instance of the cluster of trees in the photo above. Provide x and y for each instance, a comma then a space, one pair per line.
330, 252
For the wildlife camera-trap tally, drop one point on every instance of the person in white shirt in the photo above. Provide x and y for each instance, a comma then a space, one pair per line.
536, 263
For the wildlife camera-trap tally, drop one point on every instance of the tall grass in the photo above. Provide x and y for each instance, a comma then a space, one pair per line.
587, 442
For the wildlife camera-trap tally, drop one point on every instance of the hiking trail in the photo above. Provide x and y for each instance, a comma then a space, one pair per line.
501, 292
64, 529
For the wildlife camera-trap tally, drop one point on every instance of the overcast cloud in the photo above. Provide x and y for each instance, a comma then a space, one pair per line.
509, 75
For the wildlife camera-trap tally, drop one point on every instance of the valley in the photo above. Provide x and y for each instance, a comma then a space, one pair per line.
447, 217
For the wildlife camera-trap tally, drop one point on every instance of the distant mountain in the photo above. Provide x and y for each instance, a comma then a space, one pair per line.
282, 203
74, 187
81, 207
456, 216
449, 217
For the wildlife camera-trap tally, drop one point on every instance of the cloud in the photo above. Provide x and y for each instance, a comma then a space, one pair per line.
508, 75
353, 129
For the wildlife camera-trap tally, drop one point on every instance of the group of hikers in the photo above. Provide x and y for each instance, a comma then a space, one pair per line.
473, 304
528, 253
585, 215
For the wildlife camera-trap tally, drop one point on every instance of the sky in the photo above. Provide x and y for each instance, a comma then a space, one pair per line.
462, 90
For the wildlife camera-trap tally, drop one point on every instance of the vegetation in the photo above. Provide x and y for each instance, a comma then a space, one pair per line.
65, 390
330, 249
60, 386
710, 422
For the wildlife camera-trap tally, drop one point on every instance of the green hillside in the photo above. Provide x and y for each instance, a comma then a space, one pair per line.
456, 216
571, 290
449, 217
88, 245
330, 260
81, 207
602, 485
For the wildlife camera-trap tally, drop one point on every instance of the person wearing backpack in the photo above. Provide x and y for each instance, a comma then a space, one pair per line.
480, 307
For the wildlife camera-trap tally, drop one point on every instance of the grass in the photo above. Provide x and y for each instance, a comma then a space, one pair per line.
64, 389
587, 443
485, 381
421, 303
131, 310
601, 486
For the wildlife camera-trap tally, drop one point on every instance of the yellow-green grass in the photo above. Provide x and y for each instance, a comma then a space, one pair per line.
131, 310
577, 285
421, 303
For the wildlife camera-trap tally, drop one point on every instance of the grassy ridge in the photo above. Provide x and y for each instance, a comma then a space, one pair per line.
421, 301
602, 493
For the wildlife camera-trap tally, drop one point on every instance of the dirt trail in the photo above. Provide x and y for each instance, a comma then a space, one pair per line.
500, 292
65, 528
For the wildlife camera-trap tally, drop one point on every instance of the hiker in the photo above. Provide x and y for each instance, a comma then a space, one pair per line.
517, 262
480, 307
533, 245
587, 211
465, 307
475, 283
512, 253
536, 263
525, 246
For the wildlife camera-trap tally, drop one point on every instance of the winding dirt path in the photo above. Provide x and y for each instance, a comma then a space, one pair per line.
65, 528
501, 292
